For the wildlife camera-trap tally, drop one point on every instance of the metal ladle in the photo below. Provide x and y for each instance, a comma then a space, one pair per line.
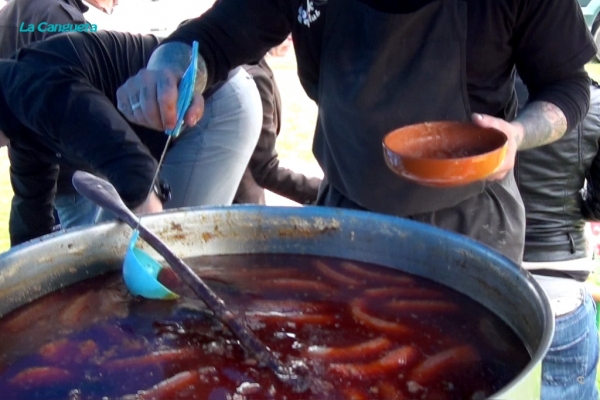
105, 195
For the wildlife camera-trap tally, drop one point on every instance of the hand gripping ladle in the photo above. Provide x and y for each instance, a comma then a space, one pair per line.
140, 271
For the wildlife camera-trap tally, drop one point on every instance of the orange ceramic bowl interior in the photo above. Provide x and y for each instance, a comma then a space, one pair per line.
444, 153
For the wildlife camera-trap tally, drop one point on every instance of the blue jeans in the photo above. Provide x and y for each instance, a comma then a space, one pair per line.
206, 162
75, 210
569, 368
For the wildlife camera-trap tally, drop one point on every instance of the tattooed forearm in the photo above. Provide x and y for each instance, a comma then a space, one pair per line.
176, 56
542, 123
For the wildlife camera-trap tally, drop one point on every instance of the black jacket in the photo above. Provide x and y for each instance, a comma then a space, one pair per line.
18, 14
501, 35
550, 179
58, 107
263, 169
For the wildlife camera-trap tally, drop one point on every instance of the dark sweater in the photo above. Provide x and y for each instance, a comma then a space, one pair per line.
58, 107
17, 12
547, 41
263, 170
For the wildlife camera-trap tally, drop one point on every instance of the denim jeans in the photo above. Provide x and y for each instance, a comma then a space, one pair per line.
206, 162
569, 368
75, 210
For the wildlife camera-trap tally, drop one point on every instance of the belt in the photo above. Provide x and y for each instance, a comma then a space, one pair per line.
565, 295
578, 264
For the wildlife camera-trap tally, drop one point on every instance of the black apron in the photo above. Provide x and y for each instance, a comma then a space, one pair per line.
381, 71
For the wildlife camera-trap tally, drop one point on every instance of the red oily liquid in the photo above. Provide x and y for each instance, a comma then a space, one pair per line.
363, 331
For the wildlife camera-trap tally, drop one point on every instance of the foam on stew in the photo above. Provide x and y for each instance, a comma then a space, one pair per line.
363, 331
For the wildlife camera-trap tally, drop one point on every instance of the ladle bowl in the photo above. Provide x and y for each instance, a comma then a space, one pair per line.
140, 273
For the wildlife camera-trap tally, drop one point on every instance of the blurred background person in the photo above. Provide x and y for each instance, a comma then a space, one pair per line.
75, 209
17, 12
550, 179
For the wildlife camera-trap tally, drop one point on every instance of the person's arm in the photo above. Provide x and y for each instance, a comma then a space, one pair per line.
94, 131
231, 33
554, 108
557, 83
74, 118
264, 162
34, 185
292, 185
235, 32
539, 123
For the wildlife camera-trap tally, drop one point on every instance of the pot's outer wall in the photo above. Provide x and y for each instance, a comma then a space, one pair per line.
41, 266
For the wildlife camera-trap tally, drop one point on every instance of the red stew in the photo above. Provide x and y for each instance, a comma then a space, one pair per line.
363, 331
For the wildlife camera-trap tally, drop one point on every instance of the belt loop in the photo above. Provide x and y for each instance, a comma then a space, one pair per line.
571, 242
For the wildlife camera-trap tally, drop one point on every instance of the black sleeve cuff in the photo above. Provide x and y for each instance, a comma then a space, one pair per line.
571, 94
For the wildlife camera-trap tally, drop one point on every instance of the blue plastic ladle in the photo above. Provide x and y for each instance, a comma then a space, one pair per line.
140, 271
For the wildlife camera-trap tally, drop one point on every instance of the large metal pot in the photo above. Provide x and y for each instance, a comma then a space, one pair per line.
36, 268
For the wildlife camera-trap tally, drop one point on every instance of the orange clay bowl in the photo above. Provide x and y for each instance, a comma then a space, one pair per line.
444, 153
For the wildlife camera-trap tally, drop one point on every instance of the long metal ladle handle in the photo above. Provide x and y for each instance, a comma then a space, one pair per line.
105, 195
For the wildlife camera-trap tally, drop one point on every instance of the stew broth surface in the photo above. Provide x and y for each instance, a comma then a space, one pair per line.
363, 331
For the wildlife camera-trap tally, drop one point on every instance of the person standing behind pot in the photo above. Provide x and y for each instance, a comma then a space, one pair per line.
264, 171
550, 178
376, 65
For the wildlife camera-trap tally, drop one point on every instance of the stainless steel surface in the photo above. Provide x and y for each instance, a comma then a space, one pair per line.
36, 268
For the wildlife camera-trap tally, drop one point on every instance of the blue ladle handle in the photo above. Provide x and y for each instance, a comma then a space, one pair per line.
106, 196
186, 91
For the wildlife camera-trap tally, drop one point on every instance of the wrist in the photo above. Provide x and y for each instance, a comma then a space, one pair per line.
162, 190
518, 134
175, 57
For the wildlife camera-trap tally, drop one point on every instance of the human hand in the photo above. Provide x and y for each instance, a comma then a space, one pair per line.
150, 206
514, 133
150, 99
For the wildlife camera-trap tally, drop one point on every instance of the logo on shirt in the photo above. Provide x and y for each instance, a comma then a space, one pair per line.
46, 27
308, 15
